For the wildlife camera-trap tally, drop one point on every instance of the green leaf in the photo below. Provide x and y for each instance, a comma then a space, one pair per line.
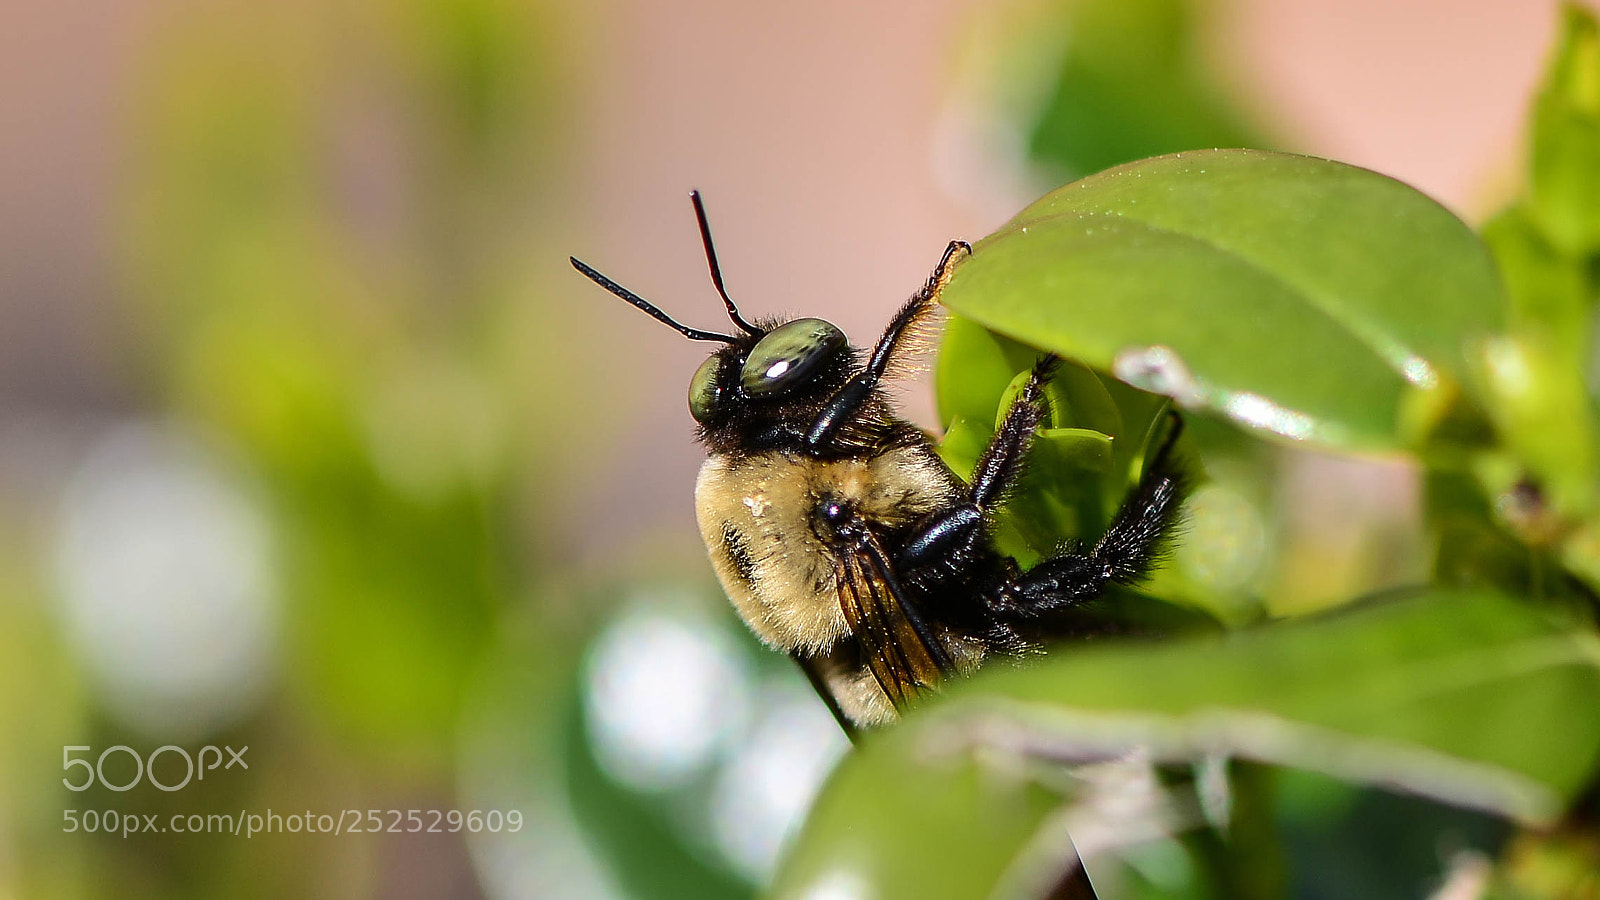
962, 445
1073, 466
1468, 697
1079, 465
1053, 399
1452, 695
1062, 492
974, 368
1566, 138
1301, 297
979, 373
1081, 449
934, 828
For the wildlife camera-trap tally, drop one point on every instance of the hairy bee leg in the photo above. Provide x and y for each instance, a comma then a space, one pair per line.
845, 404
1124, 554
1131, 546
996, 473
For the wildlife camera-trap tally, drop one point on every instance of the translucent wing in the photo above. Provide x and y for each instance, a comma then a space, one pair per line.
900, 648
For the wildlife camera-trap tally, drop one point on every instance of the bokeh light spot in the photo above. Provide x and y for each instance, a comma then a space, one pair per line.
764, 792
165, 581
664, 691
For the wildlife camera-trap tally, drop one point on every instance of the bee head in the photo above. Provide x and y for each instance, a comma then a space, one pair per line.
785, 362
764, 373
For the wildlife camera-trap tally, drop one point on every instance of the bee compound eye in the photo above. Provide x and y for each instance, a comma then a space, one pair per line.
703, 389
789, 354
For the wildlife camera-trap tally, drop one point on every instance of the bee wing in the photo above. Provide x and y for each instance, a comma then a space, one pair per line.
900, 649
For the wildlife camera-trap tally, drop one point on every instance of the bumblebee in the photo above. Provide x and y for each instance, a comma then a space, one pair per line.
844, 540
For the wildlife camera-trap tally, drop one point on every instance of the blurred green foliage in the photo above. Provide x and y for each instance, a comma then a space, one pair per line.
259, 288
1136, 78
322, 228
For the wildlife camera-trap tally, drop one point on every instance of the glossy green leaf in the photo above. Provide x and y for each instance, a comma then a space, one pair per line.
1297, 296
1083, 449
1448, 694
974, 368
1468, 697
962, 445
979, 372
935, 828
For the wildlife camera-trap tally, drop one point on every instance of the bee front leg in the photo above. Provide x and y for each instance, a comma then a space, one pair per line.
845, 405
1002, 462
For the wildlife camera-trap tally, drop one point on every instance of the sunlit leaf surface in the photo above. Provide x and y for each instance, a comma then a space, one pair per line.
1294, 295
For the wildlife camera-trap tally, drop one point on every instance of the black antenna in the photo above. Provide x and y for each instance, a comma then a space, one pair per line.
693, 334
716, 270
